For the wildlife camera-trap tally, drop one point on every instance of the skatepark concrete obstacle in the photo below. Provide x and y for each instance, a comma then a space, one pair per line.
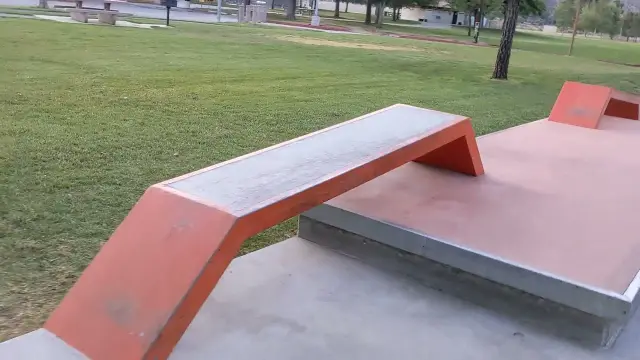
140, 293
536, 259
584, 105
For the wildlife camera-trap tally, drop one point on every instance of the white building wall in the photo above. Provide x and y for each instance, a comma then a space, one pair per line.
353, 8
433, 17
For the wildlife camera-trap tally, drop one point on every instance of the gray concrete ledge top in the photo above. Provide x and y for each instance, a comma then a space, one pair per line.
267, 176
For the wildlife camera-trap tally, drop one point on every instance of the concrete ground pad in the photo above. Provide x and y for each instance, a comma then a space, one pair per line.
298, 300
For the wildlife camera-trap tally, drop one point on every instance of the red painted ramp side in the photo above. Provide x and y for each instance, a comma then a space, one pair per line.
580, 104
150, 277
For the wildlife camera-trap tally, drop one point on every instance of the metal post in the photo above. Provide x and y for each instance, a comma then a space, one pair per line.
315, 19
219, 14
168, 9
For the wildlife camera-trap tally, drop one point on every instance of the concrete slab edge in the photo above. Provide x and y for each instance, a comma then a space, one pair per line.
528, 310
598, 302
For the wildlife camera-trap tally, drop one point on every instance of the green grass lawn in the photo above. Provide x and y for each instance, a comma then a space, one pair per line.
90, 116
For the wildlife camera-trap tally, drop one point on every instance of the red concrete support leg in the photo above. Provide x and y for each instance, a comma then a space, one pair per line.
141, 291
460, 155
621, 108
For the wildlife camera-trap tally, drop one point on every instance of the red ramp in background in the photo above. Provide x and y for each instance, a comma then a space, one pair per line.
584, 104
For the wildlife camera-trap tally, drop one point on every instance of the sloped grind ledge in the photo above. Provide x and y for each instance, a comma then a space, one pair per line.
138, 296
585, 105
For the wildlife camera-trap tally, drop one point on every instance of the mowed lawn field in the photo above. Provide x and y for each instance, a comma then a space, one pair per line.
90, 116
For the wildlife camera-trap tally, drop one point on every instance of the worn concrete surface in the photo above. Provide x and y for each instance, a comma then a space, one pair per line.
38, 345
276, 173
297, 300
556, 198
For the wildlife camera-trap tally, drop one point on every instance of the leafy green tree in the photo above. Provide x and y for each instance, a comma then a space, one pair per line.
604, 17
611, 23
532, 8
635, 26
631, 25
590, 18
627, 20
564, 14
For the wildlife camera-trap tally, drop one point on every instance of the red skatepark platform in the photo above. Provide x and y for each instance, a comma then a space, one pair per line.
555, 214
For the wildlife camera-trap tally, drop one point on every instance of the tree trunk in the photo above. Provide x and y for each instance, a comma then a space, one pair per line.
336, 12
273, 4
379, 14
346, 7
43, 4
469, 24
504, 13
367, 16
504, 51
576, 19
291, 10
393, 14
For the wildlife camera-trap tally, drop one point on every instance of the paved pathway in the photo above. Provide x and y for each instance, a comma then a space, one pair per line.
139, 10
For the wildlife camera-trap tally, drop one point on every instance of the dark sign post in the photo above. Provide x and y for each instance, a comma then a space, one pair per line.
169, 4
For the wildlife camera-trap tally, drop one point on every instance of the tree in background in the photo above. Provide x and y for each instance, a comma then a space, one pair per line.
564, 14
576, 20
397, 5
635, 26
631, 25
531, 8
336, 11
590, 18
611, 19
501, 69
367, 16
604, 17
379, 13
468, 7
291, 9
